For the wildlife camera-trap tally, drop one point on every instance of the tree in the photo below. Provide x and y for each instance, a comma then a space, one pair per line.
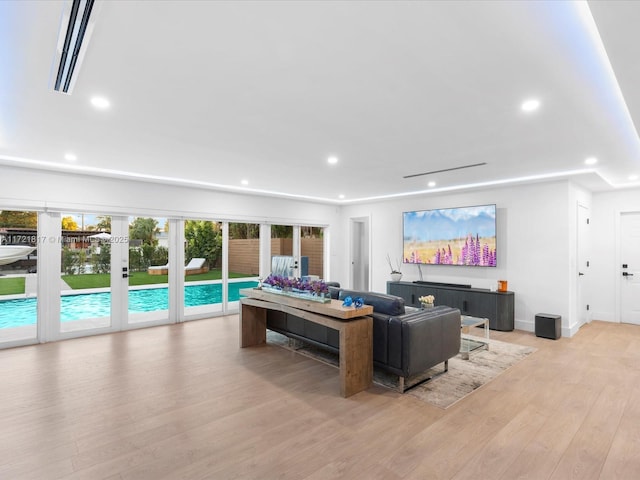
104, 223
81, 261
15, 219
135, 259
144, 229
311, 232
281, 231
244, 230
147, 255
203, 239
68, 223
101, 260
68, 261
160, 256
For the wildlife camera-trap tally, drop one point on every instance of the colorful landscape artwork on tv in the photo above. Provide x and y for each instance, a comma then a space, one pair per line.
451, 236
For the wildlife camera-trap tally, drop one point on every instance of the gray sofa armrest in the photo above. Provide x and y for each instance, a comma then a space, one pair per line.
421, 340
381, 302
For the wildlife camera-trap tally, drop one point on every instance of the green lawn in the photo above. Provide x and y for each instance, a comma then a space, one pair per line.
102, 280
11, 286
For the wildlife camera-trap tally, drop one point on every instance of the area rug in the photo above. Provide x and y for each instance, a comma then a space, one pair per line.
443, 391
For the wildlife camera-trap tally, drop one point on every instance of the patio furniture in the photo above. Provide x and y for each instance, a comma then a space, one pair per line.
194, 267
158, 270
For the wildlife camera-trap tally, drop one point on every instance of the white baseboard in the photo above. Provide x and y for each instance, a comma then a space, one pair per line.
526, 325
530, 326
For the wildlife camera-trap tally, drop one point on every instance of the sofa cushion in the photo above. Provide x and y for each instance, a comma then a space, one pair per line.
381, 302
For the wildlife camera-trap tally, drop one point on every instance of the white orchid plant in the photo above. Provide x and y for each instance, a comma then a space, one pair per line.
428, 299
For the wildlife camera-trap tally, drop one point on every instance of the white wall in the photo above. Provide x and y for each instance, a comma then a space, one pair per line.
605, 242
56, 191
536, 249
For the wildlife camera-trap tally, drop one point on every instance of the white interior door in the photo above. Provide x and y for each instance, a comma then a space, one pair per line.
630, 268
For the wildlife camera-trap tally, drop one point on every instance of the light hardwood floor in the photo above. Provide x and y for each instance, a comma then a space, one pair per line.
184, 401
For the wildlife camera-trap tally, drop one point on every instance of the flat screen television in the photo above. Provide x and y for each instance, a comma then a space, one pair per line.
450, 236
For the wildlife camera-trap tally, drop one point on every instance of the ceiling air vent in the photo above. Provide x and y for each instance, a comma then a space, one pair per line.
445, 170
74, 34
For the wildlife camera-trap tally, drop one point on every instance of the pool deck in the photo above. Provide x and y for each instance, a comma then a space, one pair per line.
31, 285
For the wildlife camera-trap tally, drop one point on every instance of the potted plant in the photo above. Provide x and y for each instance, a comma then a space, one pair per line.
396, 274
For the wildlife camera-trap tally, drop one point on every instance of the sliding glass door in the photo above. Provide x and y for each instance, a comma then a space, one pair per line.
243, 260
19, 242
202, 268
85, 277
148, 270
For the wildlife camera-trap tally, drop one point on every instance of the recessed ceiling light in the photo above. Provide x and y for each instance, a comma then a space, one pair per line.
530, 105
341, 196
70, 157
244, 182
633, 178
100, 102
332, 160
591, 161
431, 184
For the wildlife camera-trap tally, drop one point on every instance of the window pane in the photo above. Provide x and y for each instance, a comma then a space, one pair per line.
148, 269
281, 240
85, 279
18, 275
202, 270
312, 251
244, 259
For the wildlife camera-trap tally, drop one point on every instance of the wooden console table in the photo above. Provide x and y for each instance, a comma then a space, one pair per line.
355, 328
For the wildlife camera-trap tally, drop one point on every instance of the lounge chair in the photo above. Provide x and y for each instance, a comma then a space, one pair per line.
158, 270
195, 266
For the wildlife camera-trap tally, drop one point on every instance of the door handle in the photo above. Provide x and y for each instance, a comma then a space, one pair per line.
626, 274
580, 273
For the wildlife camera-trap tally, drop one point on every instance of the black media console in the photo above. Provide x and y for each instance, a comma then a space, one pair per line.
498, 307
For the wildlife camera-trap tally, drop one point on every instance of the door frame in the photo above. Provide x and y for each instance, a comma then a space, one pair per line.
582, 244
356, 242
618, 260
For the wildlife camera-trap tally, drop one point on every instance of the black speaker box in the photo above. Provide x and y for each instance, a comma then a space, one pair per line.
548, 325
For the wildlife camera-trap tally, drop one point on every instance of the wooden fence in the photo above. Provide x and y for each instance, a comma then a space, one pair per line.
244, 255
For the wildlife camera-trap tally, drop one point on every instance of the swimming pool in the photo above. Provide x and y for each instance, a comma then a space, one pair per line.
21, 312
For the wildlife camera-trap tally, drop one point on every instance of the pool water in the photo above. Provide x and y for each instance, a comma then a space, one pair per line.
21, 312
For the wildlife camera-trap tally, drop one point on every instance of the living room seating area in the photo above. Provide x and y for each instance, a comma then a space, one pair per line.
405, 343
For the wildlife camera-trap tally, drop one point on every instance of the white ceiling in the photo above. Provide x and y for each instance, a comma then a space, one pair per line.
210, 93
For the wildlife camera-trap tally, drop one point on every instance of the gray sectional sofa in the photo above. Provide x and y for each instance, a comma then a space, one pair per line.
406, 342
